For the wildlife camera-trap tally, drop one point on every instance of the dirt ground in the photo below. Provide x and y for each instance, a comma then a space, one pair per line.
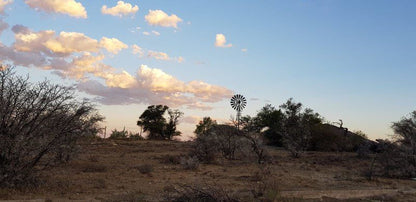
121, 170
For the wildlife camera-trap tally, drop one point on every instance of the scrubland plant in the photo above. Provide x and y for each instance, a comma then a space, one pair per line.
40, 125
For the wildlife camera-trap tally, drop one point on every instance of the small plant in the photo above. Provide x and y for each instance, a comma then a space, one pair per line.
145, 169
133, 196
208, 193
94, 168
115, 134
170, 159
190, 163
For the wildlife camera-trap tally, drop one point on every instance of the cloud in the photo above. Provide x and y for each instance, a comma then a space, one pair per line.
153, 32
156, 33
76, 56
220, 41
112, 45
244, 50
121, 9
160, 18
156, 87
3, 25
64, 44
3, 4
191, 119
68, 7
158, 55
69, 42
137, 50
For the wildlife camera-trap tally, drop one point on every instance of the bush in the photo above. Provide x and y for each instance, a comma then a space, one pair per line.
189, 163
206, 193
391, 160
40, 126
115, 134
228, 142
145, 169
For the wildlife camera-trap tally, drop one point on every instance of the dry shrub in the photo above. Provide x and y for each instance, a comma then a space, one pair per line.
93, 168
228, 142
133, 196
40, 126
171, 159
198, 193
145, 168
392, 160
190, 163
265, 186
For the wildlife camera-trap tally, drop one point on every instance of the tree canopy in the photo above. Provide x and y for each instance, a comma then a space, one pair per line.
154, 122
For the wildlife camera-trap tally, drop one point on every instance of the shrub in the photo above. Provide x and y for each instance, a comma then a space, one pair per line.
40, 126
190, 163
205, 193
115, 134
145, 169
391, 160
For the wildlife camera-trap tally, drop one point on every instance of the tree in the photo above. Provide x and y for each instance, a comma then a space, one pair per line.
153, 121
405, 131
170, 130
40, 125
297, 126
203, 127
269, 120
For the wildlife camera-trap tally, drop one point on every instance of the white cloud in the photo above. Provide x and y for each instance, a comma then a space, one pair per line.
68, 7
3, 4
121, 9
163, 56
76, 56
156, 33
155, 86
112, 45
137, 50
158, 55
220, 41
146, 33
160, 18
244, 50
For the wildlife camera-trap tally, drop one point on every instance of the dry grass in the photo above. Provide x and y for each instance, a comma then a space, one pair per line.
108, 170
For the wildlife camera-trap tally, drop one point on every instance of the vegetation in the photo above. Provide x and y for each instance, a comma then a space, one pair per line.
40, 125
153, 121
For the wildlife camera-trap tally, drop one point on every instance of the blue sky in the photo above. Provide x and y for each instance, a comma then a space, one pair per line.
349, 60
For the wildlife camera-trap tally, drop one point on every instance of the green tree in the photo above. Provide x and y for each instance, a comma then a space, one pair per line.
269, 120
405, 131
203, 127
154, 122
170, 129
298, 126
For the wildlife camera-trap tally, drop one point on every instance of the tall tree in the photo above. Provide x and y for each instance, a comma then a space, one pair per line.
153, 121
203, 127
405, 131
270, 121
170, 130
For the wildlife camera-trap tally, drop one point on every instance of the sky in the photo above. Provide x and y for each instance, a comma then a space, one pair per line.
352, 60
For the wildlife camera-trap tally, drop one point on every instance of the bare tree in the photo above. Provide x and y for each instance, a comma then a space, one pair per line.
39, 125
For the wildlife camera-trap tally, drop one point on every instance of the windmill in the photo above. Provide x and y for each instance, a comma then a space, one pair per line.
238, 102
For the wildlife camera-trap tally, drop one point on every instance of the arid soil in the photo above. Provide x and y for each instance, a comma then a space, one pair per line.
122, 170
